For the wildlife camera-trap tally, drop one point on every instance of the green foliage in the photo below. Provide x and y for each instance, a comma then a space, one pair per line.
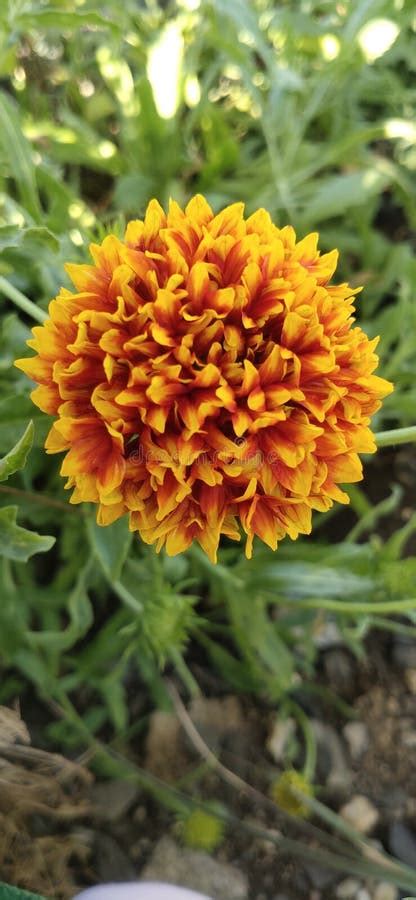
19, 543
15, 542
16, 458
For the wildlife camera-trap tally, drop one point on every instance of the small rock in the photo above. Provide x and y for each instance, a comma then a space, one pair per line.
410, 679
165, 753
409, 738
363, 894
404, 651
327, 635
111, 862
358, 739
360, 813
394, 802
402, 843
319, 877
281, 733
217, 718
196, 870
332, 760
385, 891
340, 671
112, 799
348, 889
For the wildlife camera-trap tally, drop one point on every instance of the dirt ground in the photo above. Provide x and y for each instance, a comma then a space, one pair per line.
68, 830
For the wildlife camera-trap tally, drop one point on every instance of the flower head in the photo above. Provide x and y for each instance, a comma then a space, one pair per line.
289, 790
205, 374
202, 830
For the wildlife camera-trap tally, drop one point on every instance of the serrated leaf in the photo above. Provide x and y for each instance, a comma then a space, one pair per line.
18, 543
110, 545
16, 458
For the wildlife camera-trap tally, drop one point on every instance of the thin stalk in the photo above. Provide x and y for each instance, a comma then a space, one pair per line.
23, 302
184, 672
370, 518
43, 499
396, 436
347, 607
310, 740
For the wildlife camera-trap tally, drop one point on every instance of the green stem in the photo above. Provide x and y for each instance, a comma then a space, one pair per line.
347, 607
21, 301
184, 673
310, 741
36, 497
396, 436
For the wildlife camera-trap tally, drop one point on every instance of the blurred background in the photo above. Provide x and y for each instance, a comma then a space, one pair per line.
308, 109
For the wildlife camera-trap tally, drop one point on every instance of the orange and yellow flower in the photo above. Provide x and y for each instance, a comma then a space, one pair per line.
205, 374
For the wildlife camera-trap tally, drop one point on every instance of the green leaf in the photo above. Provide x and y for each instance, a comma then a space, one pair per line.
19, 155
236, 672
80, 620
16, 458
7, 892
110, 545
33, 238
28, 239
60, 20
17, 543
337, 193
298, 579
9, 236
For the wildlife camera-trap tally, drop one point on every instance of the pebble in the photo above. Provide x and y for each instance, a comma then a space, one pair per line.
165, 754
410, 679
348, 889
218, 719
340, 671
402, 843
357, 737
385, 891
331, 756
319, 877
360, 813
111, 862
327, 635
196, 870
409, 738
351, 889
280, 735
112, 799
404, 651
